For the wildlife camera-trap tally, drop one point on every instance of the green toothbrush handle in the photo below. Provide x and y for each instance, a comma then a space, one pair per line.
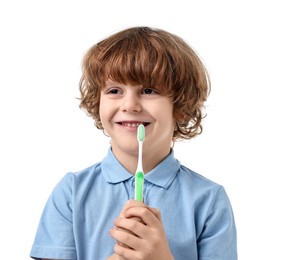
139, 179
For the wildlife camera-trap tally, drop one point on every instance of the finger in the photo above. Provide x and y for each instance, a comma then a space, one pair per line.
135, 203
147, 216
131, 203
126, 253
124, 238
132, 226
156, 213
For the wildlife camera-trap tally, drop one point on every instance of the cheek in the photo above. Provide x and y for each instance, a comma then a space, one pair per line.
165, 118
170, 118
100, 111
103, 111
107, 110
167, 112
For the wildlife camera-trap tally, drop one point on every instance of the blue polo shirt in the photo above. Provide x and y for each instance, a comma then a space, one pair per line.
196, 212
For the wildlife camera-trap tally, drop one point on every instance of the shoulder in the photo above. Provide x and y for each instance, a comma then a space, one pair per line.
72, 180
88, 172
200, 189
197, 180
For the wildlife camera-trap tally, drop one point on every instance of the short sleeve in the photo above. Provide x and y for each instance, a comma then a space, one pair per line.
218, 238
54, 238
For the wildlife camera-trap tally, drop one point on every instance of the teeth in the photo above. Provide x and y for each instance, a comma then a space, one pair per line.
128, 124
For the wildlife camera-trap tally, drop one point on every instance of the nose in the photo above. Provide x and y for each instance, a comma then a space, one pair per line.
131, 103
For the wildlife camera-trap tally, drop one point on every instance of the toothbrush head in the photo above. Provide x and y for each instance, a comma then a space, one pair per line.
141, 133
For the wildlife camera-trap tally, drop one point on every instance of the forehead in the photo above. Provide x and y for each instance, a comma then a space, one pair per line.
113, 83
141, 58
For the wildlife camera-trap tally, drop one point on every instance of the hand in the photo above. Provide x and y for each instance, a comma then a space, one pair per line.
128, 205
140, 234
115, 257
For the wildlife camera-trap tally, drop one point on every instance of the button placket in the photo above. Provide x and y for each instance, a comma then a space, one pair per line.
132, 191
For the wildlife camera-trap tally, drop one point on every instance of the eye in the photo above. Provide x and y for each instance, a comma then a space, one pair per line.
149, 91
113, 91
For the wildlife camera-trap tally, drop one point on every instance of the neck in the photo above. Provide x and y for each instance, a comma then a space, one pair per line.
150, 159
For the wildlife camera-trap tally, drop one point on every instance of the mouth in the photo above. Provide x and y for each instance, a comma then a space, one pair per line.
133, 124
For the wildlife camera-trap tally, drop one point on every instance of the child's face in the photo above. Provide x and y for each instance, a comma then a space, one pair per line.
124, 107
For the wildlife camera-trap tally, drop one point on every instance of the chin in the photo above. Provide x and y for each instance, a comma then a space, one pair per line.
129, 148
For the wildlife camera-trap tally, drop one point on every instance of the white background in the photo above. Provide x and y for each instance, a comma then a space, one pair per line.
43, 133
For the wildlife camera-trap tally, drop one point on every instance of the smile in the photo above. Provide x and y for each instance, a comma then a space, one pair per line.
132, 124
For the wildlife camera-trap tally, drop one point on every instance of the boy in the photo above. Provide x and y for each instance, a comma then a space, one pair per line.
138, 76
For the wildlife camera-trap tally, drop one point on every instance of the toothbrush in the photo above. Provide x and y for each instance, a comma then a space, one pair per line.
139, 176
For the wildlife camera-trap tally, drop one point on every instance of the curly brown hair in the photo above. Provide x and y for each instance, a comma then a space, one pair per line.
152, 58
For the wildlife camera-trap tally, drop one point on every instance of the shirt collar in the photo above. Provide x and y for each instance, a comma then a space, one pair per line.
162, 175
